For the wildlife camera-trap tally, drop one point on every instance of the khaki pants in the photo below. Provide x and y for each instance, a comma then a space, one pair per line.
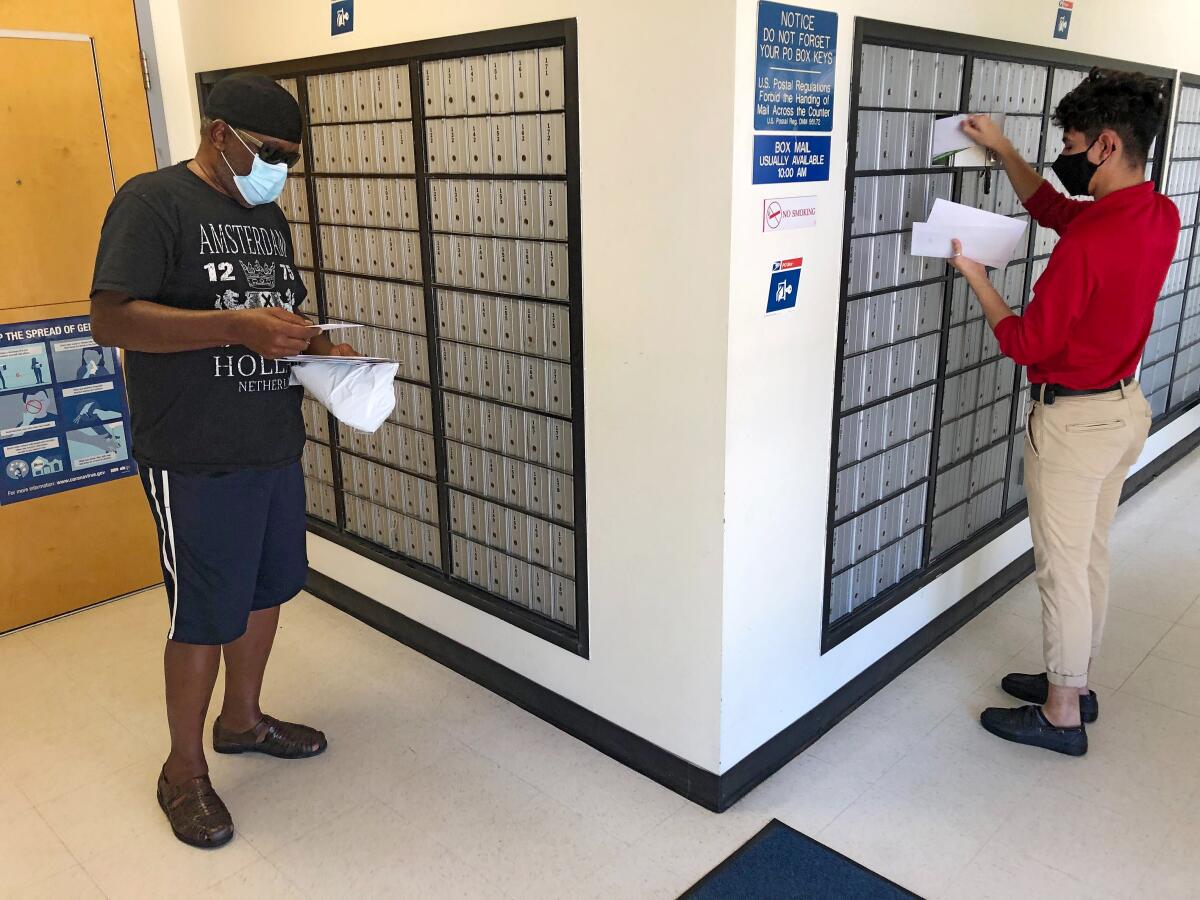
1078, 451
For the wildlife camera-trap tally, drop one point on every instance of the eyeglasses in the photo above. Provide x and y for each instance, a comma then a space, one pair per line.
269, 153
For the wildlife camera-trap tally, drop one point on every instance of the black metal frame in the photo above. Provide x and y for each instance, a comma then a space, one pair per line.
559, 33
1170, 415
873, 31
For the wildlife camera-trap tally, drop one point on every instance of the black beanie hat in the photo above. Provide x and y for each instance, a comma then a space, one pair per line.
255, 103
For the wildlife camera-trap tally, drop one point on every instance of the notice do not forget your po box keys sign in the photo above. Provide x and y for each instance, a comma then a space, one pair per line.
796, 52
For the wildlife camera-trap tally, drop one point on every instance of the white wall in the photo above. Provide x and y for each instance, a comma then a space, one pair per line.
781, 379
655, 205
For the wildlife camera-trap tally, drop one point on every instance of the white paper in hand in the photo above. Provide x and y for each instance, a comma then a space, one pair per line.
360, 396
986, 237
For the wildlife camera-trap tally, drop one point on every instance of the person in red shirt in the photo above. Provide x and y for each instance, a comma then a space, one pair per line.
1081, 338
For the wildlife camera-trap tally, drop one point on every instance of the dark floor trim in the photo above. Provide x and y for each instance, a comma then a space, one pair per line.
709, 790
639, 754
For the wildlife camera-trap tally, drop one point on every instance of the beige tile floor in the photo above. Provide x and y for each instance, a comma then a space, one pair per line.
433, 787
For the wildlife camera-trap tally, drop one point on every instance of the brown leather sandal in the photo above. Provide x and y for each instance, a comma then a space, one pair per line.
196, 813
285, 740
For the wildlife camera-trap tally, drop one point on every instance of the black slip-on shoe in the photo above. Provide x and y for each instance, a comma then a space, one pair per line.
1036, 688
1028, 725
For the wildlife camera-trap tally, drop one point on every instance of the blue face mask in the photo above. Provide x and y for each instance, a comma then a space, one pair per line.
265, 181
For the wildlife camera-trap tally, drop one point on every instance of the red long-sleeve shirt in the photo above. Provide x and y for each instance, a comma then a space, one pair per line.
1092, 308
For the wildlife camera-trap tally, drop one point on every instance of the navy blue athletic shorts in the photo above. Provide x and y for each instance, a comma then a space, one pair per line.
229, 543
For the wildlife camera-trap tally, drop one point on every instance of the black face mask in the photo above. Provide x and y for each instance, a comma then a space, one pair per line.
1075, 170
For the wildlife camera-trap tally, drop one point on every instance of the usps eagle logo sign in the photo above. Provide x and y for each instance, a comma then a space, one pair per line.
785, 284
1062, 21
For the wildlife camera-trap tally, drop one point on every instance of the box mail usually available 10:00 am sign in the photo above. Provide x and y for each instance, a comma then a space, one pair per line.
794, 74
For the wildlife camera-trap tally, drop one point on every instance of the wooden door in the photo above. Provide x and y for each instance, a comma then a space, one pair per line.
65, 551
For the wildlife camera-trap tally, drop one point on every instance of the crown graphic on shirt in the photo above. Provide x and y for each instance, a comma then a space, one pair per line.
261, 275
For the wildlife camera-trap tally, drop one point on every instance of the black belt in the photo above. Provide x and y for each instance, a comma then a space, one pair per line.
1046, 393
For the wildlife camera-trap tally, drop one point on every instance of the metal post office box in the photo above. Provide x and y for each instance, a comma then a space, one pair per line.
439, 205
477, 145
854, 379
348, 160
866, 534
527, 146
891, 473
360, 297
885, 251
862, 205
510, 378
530, 269
345, 110
921, 411
893, 129
533, 384
525, 80
558, 387
491, 481
404, 160
433, 89
856, 340
905, 310
888, 208
860, 268
435, 145
460, 260
897, 65
473, 469
468, 368
471, 419
537, 490
518, 582
456, 207
846, 492
504, 209
453, 77
400, 93
447, 310
363, 201
373, 259
917, 139
870, 76
367, 158
869, 481
554, 260
551, 90
973, 342
872, 430
553, 140
483, 268
533, 327
465, 326
929, 308
475, 85
456, 146
316, 109
500, 82
922, 85
530, 223
538, 541
502, 135
479, 205
506, 269
901, 367
563, 592
526, 434
558, 334
494, 524
516, 533
490, 427
477, 565
398, 202
489, 373
562, 550
897, 427
948, 81
326, 148
867, 141
916, 460
540, 594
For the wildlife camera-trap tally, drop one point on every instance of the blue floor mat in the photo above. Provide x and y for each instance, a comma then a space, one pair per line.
780, 862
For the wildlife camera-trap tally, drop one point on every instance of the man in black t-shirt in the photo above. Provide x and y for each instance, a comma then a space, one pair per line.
195, 279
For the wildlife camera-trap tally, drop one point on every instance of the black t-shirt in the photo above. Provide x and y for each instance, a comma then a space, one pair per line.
171, 239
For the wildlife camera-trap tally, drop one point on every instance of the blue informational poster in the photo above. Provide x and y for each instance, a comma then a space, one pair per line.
785, 284
779, 158
64, 419
1062, 21
797, 49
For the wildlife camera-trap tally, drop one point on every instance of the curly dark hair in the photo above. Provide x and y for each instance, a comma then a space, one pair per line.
1130, 103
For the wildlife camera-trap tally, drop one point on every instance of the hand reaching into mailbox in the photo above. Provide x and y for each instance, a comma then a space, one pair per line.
985, 132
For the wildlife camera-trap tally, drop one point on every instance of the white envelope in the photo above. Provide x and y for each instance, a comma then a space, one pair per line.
949, 139
986, 237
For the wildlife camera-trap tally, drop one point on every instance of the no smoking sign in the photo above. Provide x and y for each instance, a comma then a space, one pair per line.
786, 213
